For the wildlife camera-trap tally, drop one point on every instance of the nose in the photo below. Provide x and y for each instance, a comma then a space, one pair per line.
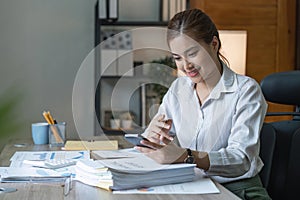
187, 64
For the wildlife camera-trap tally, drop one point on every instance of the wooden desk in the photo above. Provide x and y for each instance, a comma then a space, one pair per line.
32, 191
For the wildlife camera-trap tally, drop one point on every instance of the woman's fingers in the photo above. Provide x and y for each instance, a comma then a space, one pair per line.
156, 129
152, 145
144, 149
159, 126
163, 124
163, 154
165, 140
154, 138
164, 131
159, 117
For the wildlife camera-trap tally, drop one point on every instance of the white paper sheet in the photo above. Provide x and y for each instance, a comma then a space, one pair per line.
48, 155
200, 186
109, 154
26, 172
139, 164
19, 156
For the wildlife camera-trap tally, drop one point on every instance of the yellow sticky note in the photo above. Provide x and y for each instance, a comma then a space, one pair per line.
91, 145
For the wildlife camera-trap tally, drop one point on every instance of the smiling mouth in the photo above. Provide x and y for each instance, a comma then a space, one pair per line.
193, 73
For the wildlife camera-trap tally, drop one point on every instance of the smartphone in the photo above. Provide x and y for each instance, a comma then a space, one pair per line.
135, 139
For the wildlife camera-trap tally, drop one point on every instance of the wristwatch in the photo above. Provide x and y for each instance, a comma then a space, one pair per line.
190, 159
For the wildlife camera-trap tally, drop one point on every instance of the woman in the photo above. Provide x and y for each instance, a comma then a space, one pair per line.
215, 113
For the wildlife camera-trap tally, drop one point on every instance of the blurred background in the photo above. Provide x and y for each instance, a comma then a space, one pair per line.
42, 45
44, 42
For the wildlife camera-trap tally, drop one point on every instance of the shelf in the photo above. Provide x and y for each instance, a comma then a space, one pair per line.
116, 77
119, 129
105, 83
109, 131
132, 23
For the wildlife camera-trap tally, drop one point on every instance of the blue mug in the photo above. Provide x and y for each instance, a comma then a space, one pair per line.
39, 132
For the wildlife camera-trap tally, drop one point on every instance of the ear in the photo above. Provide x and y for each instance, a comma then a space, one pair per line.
215, 43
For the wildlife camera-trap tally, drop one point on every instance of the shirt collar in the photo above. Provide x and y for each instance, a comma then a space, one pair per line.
227, 83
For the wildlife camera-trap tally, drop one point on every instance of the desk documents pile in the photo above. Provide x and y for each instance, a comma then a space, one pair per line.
121, 171
32, 165
129, 173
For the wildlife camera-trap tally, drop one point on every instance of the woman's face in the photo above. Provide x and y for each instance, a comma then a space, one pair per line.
197, 60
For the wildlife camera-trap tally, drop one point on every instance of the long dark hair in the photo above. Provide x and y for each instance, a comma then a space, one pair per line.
195, 24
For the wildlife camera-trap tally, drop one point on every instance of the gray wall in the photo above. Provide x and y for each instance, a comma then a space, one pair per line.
42, 45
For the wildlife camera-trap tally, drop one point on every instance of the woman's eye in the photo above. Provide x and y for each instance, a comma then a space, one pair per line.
177, 58
192, 54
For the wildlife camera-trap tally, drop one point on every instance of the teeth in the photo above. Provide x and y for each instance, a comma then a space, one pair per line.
193, 73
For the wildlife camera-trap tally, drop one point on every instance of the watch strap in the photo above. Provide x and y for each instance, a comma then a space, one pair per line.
189, 152
190, 158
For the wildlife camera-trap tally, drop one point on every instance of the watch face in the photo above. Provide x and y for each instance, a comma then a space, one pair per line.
190, 160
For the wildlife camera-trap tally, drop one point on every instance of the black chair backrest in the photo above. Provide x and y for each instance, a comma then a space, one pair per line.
293, 176
267, 145
281, 158
283, 88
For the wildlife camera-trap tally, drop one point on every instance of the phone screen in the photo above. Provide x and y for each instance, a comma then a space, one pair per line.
135, 139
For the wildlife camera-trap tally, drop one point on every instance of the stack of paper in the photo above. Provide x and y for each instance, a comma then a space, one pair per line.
201, 185
93, 173
168, 175
128, 173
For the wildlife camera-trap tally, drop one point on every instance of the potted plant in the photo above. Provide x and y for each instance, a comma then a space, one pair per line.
164, 71
9, 121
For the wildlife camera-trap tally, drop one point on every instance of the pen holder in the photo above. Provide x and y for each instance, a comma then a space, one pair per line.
57, 134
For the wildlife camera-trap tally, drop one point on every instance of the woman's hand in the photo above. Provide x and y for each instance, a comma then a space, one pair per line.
158, 130
171, 153
163, 153
162, 149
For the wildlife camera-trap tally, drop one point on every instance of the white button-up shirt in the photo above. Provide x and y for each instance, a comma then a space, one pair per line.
227, 125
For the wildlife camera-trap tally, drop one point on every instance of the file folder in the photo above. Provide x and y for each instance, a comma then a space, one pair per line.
113, 9
102, 9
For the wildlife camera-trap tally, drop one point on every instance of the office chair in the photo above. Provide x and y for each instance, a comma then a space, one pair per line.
283, 88
267, 145
293, 177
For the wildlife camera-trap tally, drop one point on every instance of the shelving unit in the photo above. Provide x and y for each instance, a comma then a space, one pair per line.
107, 83
137, 23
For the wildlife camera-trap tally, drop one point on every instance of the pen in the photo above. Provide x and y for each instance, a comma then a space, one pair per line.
33, 179
50, 117
54, 130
